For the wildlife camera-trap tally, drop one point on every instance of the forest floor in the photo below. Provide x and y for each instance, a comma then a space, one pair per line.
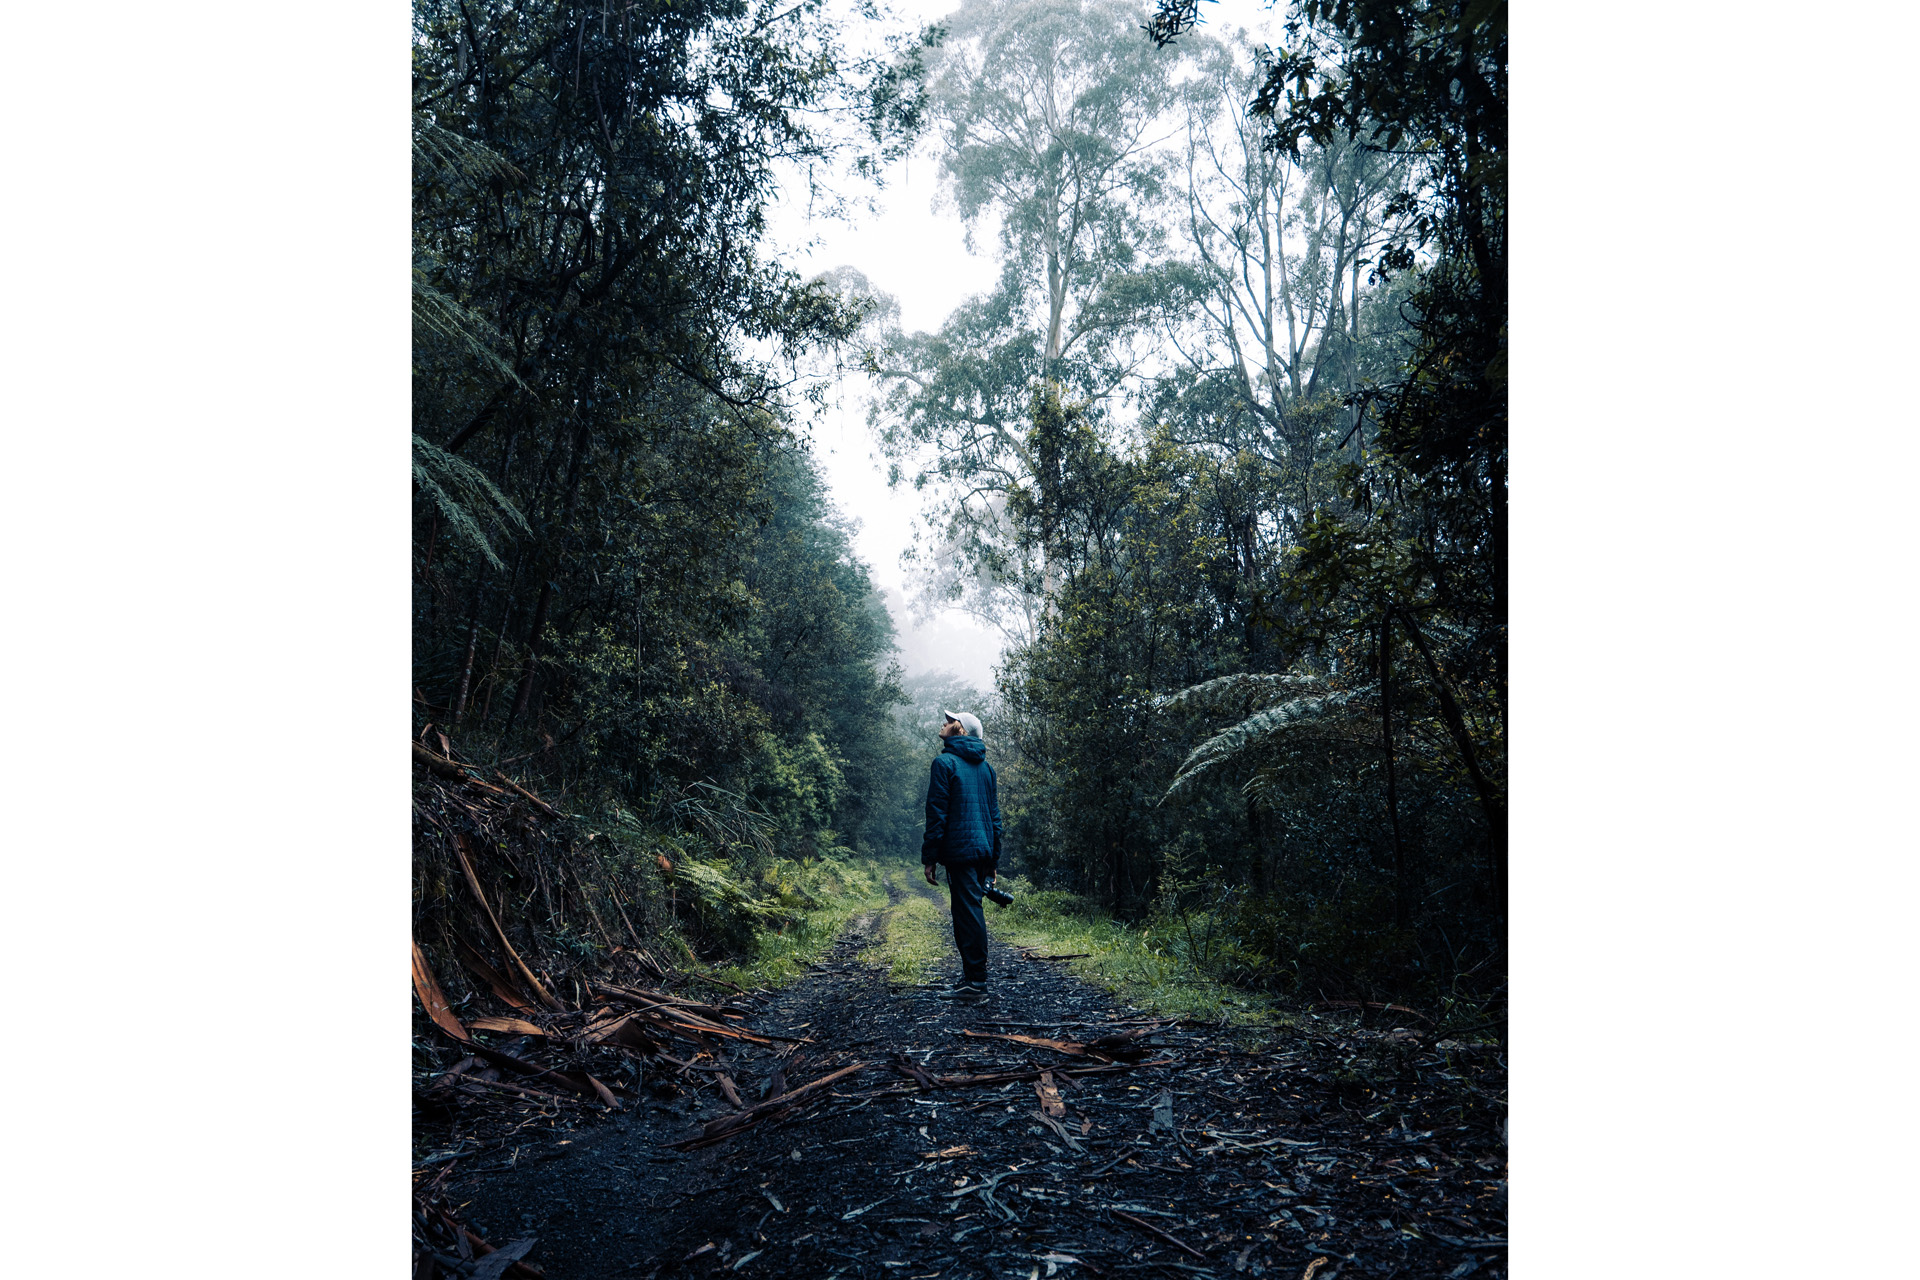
1320, 1149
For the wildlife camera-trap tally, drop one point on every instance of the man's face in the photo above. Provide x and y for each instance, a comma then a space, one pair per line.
950, 728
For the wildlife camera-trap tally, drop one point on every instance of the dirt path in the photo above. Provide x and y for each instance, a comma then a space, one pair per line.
1256, 1161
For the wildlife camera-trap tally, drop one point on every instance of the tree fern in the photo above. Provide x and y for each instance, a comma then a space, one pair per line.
441, 155
1258, 731
458, 490
1232, 695
466, 328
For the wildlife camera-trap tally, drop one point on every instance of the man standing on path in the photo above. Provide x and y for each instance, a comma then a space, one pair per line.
963, 833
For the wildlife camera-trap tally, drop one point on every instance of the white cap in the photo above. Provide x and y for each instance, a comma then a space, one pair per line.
968, 721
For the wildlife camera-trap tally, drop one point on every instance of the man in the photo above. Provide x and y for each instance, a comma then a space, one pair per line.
963, 833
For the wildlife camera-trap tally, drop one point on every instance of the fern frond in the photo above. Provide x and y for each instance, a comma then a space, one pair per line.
456, 488
1262, 727
440, 152
1232, 694
462, 325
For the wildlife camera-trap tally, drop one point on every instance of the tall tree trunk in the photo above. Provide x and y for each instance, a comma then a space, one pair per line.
525, 693
466, 666
1491, 806
1402, 915
433, 536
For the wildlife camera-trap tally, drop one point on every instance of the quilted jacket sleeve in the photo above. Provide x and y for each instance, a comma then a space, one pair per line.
939, 788
993, 807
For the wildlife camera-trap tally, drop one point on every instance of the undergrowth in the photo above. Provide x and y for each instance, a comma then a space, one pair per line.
1146, 967
813, 901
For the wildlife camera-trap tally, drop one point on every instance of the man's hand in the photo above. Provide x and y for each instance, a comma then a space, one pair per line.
931, 877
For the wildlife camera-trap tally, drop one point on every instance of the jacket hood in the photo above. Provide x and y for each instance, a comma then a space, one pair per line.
967, 747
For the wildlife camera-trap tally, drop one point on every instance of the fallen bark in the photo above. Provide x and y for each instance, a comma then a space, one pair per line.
433, 999
501, 988
651, 998
473, 882
507, 1026
586, 1086
693, 1026
1107, 1048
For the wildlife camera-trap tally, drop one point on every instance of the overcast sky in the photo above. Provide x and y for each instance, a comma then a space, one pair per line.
919, 255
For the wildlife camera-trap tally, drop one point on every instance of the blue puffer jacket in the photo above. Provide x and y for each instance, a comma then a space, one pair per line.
963, 807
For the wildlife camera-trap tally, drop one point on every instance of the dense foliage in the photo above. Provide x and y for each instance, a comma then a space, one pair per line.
1251, 541
629, 586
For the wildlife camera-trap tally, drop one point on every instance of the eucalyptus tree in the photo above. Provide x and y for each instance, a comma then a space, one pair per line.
1416, 553
1051, 115
1287, 318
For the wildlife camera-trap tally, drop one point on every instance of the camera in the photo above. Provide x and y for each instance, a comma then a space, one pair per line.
995, 894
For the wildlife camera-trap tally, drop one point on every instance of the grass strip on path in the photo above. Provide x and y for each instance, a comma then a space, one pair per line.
919, 932
1122, 960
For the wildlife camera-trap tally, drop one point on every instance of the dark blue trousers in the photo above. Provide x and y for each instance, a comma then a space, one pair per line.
966, 885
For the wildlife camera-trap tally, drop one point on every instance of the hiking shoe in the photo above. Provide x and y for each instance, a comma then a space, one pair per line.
967, 992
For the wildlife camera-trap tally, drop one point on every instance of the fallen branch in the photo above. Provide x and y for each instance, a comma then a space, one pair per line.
502, 988
1144, 1225
517, 1089
439, 765
727, 1126
688, 1025
538, 803
1060, 1129
1071, 1048
707, 1014
912, 1071
1122, 1046
447, 767
587, 1087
